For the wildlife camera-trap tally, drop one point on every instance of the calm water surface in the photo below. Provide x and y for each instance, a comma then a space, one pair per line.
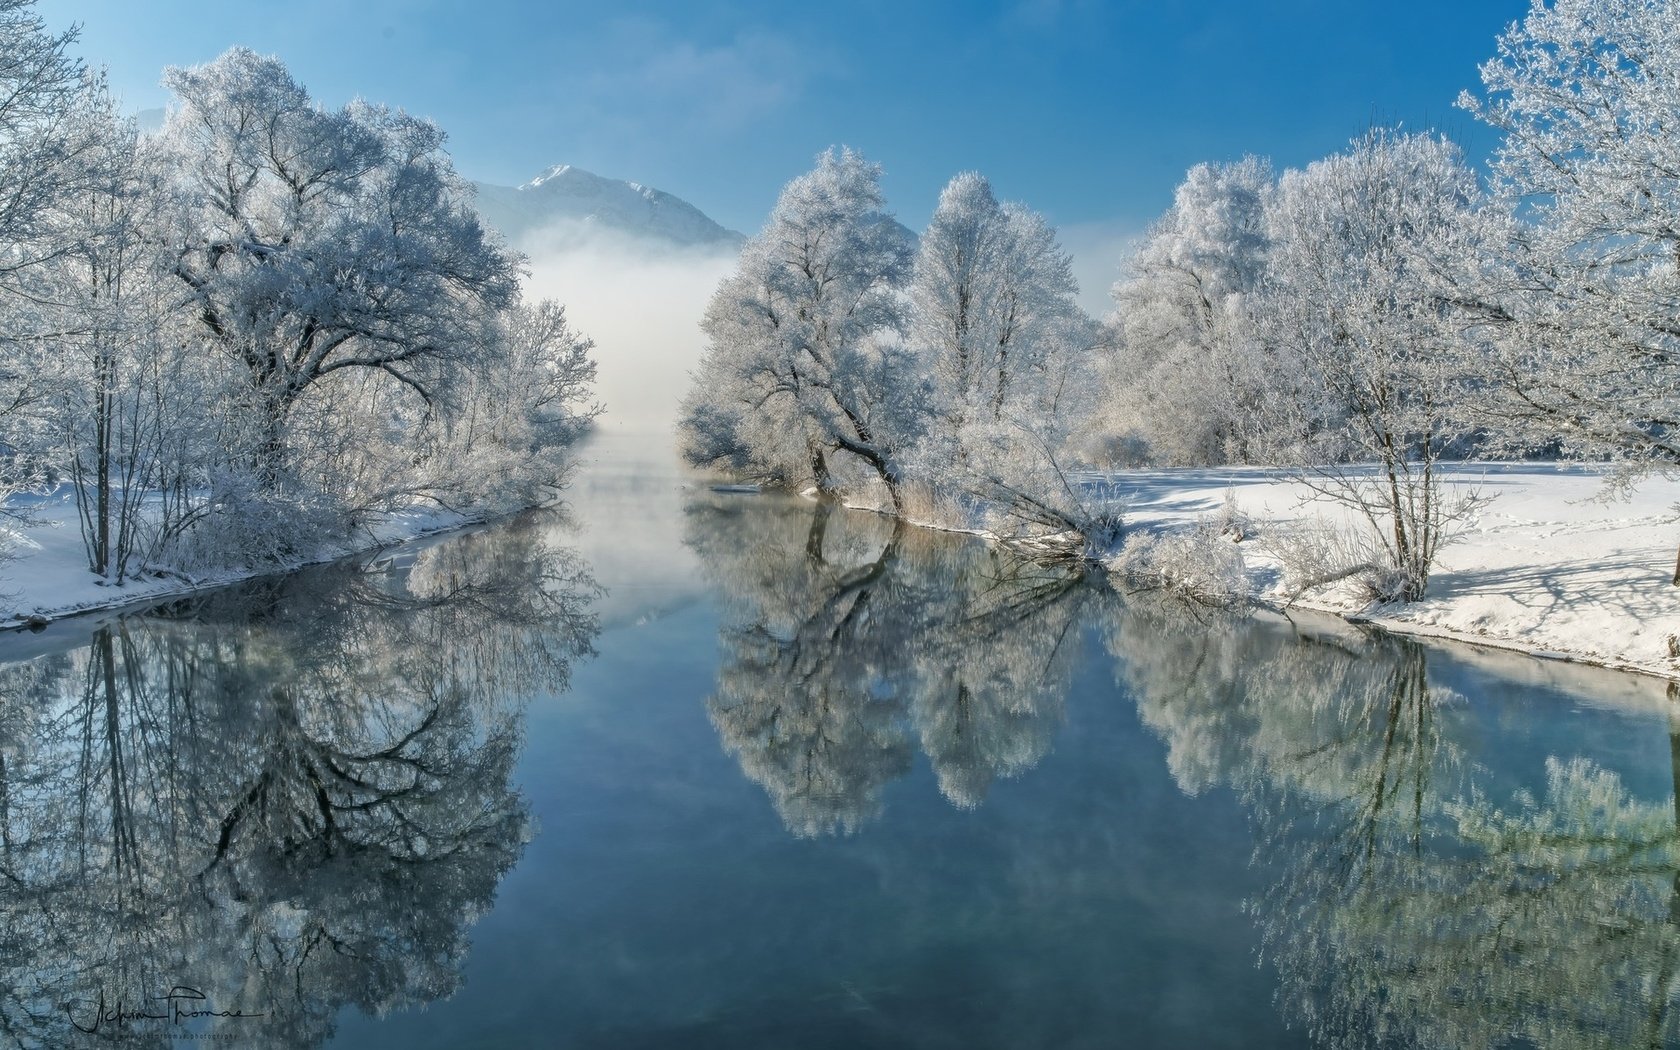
685, 769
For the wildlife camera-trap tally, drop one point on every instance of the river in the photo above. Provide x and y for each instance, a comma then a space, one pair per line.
681, 768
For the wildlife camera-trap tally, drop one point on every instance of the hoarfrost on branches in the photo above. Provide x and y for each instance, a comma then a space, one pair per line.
803, 363
1191, 370
1585, 300
242, 340
1367, 248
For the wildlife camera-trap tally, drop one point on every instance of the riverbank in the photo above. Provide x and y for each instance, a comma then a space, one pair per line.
1546, 566
47, 578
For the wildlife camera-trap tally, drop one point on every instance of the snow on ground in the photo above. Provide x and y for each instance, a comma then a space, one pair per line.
1547, 565
48, 578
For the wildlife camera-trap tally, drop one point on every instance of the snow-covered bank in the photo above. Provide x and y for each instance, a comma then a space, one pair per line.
1546, 566
47, 577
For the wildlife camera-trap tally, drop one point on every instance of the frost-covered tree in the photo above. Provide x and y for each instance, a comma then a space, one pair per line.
111, 415
262, 328
1008, 351
501, 442
1190, 368
958, 321
324, 245
994, 311
803, 374
45, 140
1368, 251
517, 415
1587, 93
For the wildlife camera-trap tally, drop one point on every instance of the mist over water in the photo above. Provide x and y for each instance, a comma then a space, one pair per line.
641, 301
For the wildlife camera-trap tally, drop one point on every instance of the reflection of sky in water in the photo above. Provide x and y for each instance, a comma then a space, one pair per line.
1068, 816
1087, 900
628, 495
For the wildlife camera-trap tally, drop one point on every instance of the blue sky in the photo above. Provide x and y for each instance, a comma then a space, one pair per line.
1089, 112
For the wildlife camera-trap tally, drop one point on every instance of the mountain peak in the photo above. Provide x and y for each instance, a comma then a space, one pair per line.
552, 173
566, 205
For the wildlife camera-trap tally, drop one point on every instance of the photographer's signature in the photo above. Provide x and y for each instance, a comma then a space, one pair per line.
180, 1004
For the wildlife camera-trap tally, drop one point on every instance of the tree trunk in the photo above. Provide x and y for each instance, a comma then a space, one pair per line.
891, 478
864, 448
819, 472
270, 453
1677, 570
102, 473
1003, 380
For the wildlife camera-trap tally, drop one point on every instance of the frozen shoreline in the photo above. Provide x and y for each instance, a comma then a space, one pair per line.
47, 579
1548, 567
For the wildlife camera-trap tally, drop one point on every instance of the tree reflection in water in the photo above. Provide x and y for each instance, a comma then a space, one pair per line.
849, 638
1410, 906
1411, 897
291, 796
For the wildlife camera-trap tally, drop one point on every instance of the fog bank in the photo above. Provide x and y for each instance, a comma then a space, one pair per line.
641, 301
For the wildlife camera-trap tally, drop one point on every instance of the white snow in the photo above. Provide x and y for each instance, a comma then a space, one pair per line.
1548, 565
48, 578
